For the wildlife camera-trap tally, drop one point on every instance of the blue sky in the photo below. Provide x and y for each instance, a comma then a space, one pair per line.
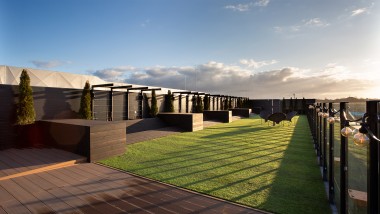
256, 48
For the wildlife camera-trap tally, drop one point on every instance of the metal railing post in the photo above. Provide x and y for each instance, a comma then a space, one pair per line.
343, 161
324, 151
331, 157
320, 139
373, 159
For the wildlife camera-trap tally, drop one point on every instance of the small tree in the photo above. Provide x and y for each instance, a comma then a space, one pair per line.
169, 107
153, 104
230, 103
146, 103
199, 106
239, 103
194, 104
206, 101
225, 103
25, 108
85, 103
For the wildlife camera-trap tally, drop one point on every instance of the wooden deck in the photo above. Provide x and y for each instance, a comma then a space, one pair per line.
90, 188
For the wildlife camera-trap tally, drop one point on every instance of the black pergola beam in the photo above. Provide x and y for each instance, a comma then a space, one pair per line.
181, 92
151, 89
121, 87
103, 85
138, 88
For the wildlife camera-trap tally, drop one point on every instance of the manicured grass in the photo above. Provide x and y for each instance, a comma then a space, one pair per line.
269, 168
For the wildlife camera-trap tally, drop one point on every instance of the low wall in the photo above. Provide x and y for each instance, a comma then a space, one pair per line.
94, 139
242, 112
187, 121
222, 116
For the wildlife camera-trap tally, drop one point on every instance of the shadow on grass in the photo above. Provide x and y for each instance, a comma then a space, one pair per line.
270, 168
298, 186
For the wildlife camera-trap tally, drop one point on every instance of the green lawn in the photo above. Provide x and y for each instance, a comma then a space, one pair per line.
269, 168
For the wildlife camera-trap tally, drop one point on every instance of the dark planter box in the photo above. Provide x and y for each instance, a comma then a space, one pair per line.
93, 139
242, 112
29, 136
187, 121
222, 116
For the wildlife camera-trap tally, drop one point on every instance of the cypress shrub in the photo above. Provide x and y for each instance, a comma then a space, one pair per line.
193, 104
153, 105
25, 113
199, 107
146, 103
85, 103
169, 107
206, 101
230, 103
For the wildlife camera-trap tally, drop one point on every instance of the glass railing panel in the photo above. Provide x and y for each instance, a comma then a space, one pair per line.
357, 163
337, 156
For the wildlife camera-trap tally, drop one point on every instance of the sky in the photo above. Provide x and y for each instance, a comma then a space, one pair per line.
253, 48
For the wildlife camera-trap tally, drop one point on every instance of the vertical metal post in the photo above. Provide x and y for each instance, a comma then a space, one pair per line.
187, 103
373, 159
343, 161
110, 105
324, 134
140, 105
321, 137
331, 157
213, 103
180, 103
125, 115
314, 126
92, 103
317, 132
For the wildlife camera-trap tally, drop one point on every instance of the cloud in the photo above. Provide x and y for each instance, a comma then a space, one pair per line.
248, 6
116, 74
315, 22
304, 24
49, 64
219, 78
145, 23
261, 3
358, 11
250, 63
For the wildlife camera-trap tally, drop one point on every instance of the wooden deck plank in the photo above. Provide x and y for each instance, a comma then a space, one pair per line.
100, 188
126, 193
171, 198
57, 188
75, 189
49, 156
27, 199
25, 158
92, 188
2, 211
153, 192
10, 204
45, 197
